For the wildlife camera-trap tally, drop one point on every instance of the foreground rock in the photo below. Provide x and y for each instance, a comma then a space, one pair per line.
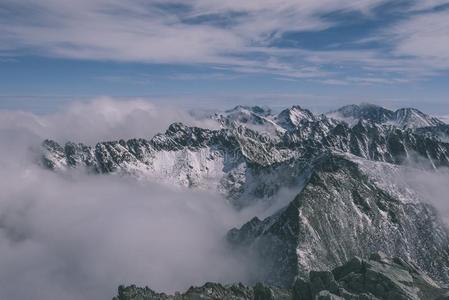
209, 291
377, 278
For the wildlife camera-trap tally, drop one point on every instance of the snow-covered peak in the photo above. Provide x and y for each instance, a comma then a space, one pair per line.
413, 118
291, 117
259, 110
365, 111
404, 117
254, 117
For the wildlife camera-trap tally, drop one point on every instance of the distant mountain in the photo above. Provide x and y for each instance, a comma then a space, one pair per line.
253, 117
369, 112
403, 118
376, 278
348, 202
239, 162
292, 117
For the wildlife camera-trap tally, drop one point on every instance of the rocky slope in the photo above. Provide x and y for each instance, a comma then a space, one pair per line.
348, 207
440, 132
376, 278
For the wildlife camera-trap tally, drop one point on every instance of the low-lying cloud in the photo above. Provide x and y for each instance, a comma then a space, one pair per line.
82, 236
77, 236
432, 187
99, 120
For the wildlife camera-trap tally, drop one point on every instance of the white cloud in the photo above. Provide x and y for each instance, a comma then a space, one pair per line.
428, 4
234, 35
424, 37
102, 119
431, 186
79, 236
150, 32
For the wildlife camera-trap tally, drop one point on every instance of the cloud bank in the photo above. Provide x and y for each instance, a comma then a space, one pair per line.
432, 187
79, 236
101, 120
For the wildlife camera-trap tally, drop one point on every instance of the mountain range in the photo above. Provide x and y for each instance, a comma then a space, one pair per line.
345, 167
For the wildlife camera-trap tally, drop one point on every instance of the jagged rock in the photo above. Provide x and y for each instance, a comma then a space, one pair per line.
243, 163
291, 118
209, 291
403, 117
440, 132
326, 295
348, 207
377, 278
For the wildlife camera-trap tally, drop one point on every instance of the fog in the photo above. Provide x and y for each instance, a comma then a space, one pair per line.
101, 119
432, 187
78, 236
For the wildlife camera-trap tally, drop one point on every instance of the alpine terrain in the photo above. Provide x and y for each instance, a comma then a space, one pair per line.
346, 168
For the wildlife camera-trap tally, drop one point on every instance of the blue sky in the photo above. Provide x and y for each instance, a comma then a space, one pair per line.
321, 54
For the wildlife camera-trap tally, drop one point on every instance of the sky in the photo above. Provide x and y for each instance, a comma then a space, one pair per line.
214, 53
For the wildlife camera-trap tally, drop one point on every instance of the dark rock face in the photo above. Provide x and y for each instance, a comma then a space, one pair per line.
376, 278
440, 132
209, 291
381, 278
344, 211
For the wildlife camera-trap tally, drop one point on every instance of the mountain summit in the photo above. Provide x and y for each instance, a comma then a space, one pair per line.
403, 117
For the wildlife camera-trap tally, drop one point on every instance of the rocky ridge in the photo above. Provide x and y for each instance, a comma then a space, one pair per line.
376, 278
237, 160
405, 118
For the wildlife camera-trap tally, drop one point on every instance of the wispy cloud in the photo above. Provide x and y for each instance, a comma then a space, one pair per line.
241, 36
424, 37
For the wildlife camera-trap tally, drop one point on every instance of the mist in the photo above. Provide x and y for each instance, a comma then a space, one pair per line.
102, 119
79, 236
432, 186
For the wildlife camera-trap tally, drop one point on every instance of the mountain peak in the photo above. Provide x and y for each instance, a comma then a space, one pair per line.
413, 118
404, 117
365, 111
259, 110
291, 117
176, 128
